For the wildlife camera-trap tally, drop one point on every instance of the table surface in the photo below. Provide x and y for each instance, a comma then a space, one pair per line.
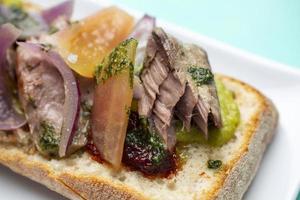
269, 28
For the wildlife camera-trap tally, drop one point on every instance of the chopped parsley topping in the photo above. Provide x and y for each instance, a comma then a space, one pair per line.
49, 141
121, 58
98, 73
200, 75
214, 164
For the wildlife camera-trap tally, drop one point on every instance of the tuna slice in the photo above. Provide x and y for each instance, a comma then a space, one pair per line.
41, 90
163, 83
167, 87
41, 93
204, 97
160, 53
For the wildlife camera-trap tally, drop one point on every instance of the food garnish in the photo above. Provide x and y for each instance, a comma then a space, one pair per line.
214, 164
200, 75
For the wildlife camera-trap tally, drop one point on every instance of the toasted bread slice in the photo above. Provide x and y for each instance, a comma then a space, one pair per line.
80, 177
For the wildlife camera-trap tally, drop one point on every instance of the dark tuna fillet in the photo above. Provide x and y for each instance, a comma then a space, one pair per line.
167, 87
207, 107
42, 96
163, 83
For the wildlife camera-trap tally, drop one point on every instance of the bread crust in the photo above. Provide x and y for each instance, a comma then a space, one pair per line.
259, 134
71, 186
232, 184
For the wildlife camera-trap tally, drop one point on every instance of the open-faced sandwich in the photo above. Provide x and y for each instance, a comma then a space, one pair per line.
110, 108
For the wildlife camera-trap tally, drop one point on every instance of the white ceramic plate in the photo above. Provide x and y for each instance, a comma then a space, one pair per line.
279, 175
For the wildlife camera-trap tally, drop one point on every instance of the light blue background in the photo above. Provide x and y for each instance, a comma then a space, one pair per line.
269, 28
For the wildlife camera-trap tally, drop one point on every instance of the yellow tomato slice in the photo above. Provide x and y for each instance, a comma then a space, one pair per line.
85, 44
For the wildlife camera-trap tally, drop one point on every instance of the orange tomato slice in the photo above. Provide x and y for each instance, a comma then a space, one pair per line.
86, 43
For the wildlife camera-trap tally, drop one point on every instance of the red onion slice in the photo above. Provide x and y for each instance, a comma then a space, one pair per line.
9, 35
10, 119
71, 103
63, 9
141, 32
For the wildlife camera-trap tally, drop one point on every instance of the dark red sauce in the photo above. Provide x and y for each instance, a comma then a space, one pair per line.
138, 159
93, 151
139, 156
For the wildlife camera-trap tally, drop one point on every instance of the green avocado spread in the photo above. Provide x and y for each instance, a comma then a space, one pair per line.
217, 137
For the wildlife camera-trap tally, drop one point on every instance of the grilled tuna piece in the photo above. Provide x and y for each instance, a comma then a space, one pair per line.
41, 90
163, 83
200, 92
176, 78
41, 93
185, 106
160, 56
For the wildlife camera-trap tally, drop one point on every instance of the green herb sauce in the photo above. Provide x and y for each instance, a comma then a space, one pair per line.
214, 164
200, 75
121, 58
49, 140
98, 72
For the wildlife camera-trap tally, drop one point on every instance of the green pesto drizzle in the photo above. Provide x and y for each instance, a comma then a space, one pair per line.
98, 72
49, 141
200, 75
120, 59
214, 164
